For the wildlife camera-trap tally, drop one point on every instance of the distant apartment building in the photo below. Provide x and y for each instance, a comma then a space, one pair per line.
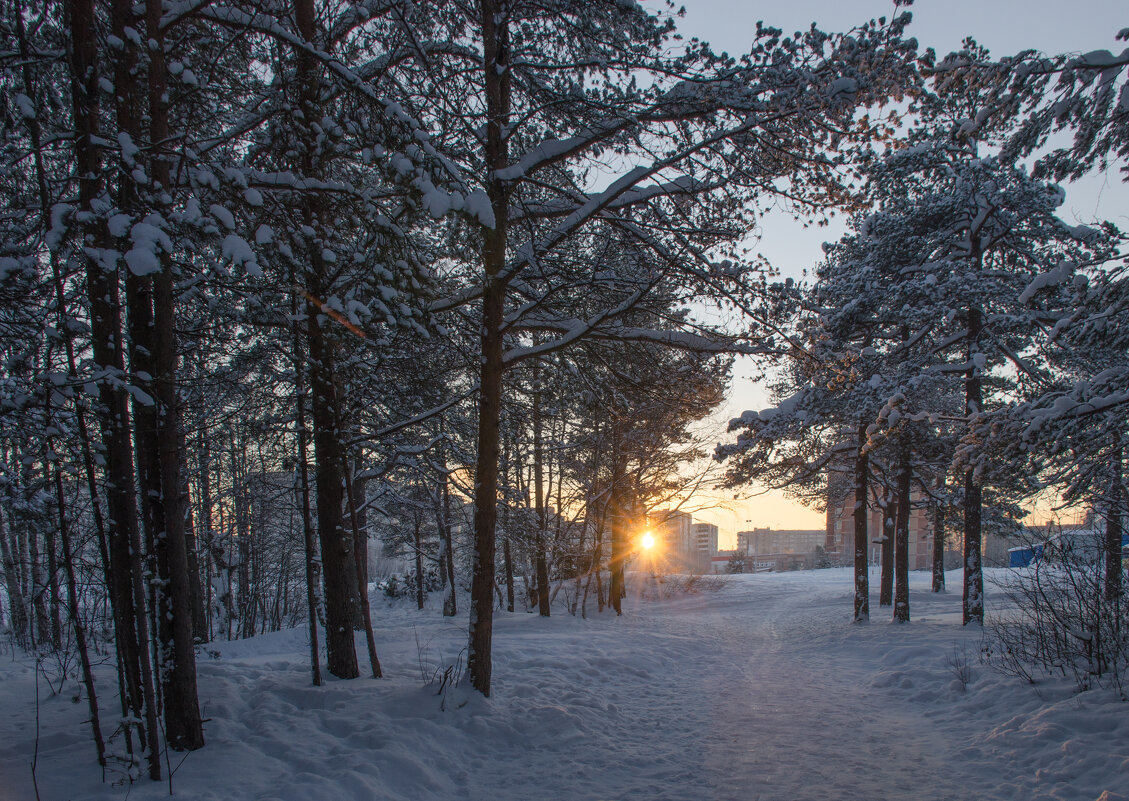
705, 538
840, 535
687, 546
787, 549
675, 530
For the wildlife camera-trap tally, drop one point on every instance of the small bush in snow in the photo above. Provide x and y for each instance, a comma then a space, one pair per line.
1060, 622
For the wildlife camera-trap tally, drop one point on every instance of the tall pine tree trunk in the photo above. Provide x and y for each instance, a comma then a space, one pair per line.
862, 537
16, 601
184, 730
901, 538
496, 79
124, 537
939, 546
618, 501
309, 546
450, 605
338, 560
1113, 527
542, 562
973, 596
886, 576
75, 616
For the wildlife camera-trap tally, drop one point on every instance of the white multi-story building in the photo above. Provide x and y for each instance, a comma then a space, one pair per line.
705, 538
674, 529
687, 546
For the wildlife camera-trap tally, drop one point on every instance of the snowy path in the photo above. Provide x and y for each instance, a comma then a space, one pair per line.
759, 692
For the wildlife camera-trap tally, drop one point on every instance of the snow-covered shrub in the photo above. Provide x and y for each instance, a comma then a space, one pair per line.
1061, 621
672, 586
403, 585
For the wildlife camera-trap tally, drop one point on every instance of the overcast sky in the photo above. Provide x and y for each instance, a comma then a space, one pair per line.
1004, 27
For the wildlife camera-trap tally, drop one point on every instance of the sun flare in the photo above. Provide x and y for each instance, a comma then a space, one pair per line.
648, 540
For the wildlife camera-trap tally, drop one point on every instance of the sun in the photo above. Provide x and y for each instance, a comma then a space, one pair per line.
648, 540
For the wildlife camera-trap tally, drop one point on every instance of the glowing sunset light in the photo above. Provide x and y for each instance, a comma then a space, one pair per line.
648, 540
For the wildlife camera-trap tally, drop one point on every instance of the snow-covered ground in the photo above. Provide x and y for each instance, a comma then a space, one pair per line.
759, 690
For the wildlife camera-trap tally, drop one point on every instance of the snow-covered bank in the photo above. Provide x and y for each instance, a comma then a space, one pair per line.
761, 690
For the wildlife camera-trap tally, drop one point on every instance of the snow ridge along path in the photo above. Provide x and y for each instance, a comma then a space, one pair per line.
758, 691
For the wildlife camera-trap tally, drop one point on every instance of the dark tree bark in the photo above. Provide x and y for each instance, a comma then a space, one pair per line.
450, 607
313, 564
1113, 528
123, 534
418, 543
901, 538
338, 560
16, 601
862, 576
508, 567
542, 563
496, 79
619, 523
366, 610
886, 575
973, 596
38, 587
939, 546
196, 595
75, 617
184, 730
64, 328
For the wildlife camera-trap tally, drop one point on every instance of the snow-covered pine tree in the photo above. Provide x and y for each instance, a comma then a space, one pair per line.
578, 118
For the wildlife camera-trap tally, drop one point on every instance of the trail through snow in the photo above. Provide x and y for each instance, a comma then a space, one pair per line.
759, 691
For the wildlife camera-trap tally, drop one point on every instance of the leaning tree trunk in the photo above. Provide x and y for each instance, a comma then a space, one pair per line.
901, 538
75, 616
973, 596
862, 566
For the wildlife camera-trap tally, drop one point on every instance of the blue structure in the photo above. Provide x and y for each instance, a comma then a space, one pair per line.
1026, 555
